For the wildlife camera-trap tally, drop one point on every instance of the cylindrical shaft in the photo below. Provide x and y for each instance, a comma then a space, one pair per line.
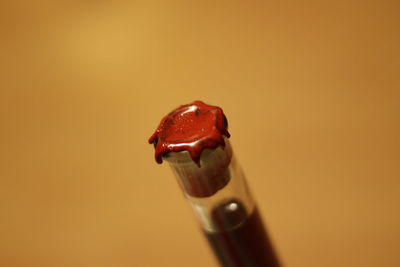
223, 204
194, 140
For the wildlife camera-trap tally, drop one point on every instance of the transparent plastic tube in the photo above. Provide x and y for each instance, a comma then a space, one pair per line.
222, 202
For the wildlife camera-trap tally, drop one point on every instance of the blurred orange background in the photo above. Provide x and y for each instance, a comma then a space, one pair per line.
311, 90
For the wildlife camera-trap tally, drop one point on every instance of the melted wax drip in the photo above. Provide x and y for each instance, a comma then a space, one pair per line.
193, 127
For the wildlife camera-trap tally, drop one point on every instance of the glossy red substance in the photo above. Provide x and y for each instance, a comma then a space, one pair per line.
246, 245
191, 127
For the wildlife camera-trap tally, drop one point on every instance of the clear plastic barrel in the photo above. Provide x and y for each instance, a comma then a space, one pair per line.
218, 181
220, 197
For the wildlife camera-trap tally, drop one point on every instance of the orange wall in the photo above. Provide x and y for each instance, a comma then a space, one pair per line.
311, 90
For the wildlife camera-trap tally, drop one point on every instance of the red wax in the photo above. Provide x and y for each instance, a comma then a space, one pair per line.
193, 127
